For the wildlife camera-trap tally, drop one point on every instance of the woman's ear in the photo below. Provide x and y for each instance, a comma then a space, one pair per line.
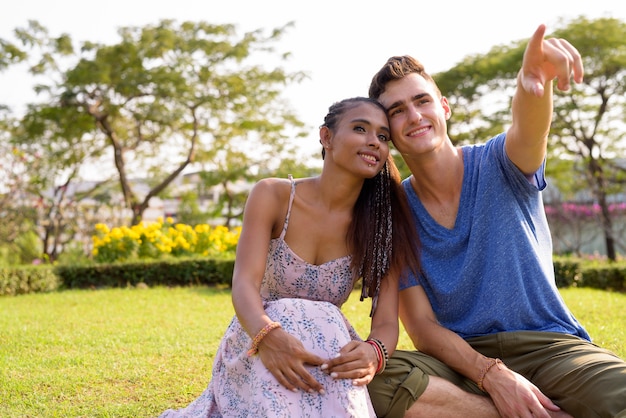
325, 137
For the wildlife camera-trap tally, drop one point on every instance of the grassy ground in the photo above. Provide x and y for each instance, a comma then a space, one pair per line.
137, 352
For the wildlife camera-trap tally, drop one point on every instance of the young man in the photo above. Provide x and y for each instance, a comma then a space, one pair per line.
485, 314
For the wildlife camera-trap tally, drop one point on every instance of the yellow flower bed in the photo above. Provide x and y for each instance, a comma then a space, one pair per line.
162, 238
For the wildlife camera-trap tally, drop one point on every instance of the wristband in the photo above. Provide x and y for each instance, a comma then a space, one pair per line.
254, 348
483, 372
381, 354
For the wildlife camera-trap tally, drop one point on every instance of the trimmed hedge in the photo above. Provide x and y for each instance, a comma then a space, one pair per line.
186, 272
566, 271
596, 274
202, 271
28, 279
604, 276
179, 272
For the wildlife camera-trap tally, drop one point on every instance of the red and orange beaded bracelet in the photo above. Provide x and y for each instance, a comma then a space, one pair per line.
254, 348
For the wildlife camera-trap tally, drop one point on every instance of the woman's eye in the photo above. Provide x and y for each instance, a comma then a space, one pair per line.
359, 128
383, 138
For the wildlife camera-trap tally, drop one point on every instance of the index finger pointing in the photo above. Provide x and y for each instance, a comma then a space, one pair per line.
535, 44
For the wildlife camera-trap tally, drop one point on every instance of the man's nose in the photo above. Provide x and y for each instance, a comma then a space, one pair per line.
414, 113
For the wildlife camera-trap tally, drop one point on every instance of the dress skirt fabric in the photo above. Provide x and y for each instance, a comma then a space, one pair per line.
241, 386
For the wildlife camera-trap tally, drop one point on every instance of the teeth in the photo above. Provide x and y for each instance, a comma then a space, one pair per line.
418, 131
369, 157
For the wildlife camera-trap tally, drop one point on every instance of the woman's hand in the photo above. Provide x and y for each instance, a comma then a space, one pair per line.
285, 357
357, 360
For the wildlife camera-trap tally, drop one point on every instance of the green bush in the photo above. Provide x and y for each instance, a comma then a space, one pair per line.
178, 272
566, 271
29, 246
28, 279
604, 276
578, 272
9, 255
569, 272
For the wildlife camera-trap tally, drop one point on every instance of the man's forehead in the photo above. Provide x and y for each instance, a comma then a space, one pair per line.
404, 90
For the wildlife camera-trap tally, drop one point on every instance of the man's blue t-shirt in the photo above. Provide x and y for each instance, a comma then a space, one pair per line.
493, 271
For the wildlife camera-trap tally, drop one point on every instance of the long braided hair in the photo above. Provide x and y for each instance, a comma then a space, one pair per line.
374, 203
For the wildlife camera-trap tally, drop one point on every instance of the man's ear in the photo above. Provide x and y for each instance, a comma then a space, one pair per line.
446, 107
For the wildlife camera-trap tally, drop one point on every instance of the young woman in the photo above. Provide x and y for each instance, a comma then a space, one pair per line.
289, 351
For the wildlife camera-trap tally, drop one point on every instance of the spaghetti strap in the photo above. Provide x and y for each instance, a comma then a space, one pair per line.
292, 195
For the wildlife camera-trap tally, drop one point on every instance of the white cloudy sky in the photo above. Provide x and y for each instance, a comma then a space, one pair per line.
340, 43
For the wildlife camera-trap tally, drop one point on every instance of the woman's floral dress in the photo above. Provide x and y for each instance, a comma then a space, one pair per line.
306, 300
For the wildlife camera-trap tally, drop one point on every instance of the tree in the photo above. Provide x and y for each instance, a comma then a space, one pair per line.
16, 207
43, 185
189, 211
234, 176
165, 97
589, 123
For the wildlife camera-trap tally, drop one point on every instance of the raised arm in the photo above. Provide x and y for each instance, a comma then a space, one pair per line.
544, 60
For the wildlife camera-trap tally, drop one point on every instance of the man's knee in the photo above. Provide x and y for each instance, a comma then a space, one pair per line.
399, 386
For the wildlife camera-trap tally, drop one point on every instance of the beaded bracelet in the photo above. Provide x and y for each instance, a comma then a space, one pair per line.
379, 355
483, 372
381, 352
254, 348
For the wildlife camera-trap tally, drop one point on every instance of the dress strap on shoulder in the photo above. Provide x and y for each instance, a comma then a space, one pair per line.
291, 196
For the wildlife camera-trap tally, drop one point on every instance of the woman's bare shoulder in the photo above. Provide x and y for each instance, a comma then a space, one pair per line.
277, 184
273, 185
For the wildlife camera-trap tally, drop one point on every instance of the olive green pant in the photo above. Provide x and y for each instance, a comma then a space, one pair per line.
583, 379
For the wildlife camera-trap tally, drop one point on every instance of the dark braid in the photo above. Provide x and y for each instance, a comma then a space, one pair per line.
383, 233
378, 253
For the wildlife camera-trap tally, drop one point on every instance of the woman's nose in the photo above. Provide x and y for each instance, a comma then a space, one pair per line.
373, 140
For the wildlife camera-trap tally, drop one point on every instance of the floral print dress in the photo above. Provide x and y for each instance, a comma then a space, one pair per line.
306, 300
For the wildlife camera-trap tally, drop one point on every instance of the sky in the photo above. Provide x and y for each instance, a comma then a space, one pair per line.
340, 44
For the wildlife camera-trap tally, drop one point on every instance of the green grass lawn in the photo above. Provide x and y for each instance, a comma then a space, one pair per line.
137, 352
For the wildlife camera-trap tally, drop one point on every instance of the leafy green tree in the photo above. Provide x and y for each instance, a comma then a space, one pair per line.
165, 97
48, 179
589, 124
16, 206
189, 211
